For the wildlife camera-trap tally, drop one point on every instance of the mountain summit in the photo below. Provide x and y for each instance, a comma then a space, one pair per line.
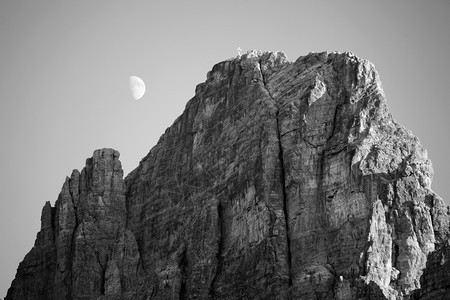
280, 180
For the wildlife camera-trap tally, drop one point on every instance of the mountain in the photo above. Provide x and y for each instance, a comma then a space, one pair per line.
280, 180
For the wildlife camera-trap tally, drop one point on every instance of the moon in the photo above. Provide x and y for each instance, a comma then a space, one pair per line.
137, 87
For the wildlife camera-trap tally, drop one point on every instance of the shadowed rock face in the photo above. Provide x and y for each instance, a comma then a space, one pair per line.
281, 180
83, 249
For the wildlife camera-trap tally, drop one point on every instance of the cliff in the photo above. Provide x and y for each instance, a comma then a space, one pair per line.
280, 180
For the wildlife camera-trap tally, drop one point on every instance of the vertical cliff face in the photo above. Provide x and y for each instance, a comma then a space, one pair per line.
281, 180
83, 249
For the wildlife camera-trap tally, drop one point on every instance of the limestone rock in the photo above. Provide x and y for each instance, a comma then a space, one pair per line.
435, 281
280, 180
83, 245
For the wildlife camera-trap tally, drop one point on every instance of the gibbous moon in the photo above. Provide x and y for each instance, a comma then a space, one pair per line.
137, 87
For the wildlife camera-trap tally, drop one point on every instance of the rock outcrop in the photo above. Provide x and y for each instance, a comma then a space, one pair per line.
280, 180
83, 249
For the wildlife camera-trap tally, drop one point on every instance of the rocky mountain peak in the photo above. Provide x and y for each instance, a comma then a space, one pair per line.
280, 180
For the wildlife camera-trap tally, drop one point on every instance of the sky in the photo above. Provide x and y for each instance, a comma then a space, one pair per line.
64, 69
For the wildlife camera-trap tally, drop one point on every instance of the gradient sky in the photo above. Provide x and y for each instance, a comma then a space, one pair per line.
65, 66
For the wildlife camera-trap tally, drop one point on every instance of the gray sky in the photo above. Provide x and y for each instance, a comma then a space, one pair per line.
65, 65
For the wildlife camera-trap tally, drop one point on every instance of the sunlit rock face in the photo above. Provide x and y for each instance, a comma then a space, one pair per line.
280, 180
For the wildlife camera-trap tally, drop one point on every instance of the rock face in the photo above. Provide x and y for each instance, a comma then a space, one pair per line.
83, 249
281, 180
